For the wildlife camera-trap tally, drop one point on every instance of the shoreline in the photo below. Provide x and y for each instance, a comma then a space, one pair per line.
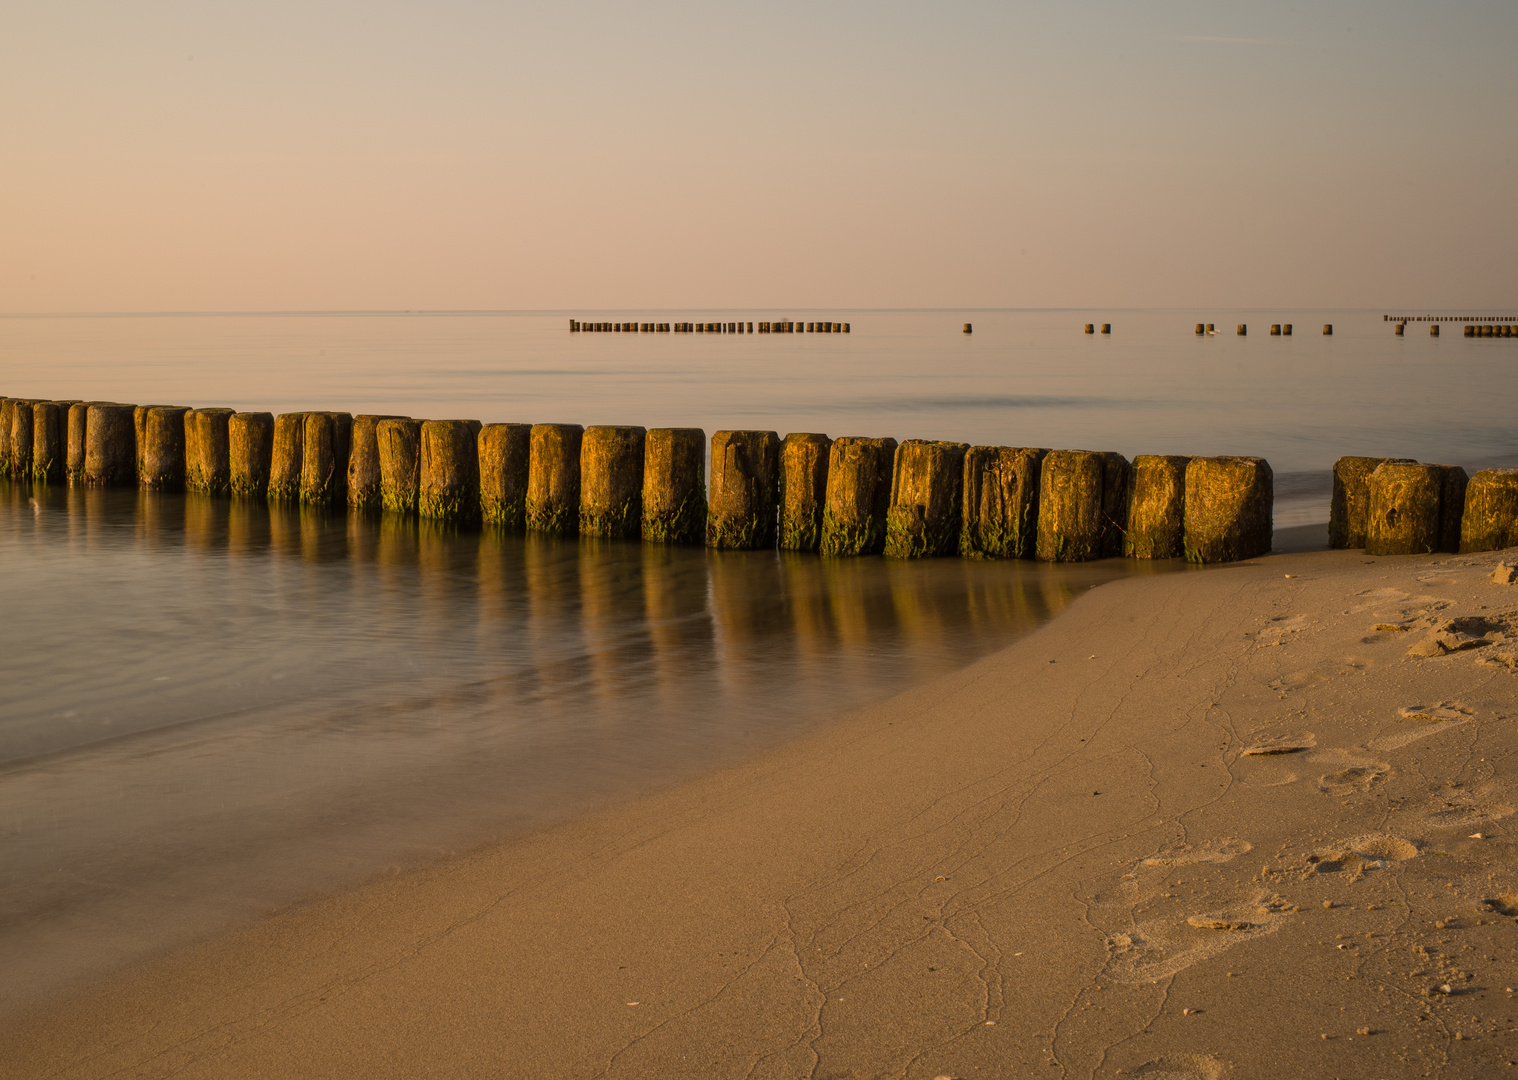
1057, 856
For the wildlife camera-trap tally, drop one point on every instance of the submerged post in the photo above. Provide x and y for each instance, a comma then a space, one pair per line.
674, 486
743, 509
250, 452
208, 451
449, 489
858, 496
505, 450
803, 489
553, 479
1157, 508
1000, 515
611, 482
400, 456
110, 446
927, 491
1229, 502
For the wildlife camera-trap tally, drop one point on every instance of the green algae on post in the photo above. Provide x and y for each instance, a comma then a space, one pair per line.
1229, 503
611, 482
162, 451
743, 510
553, 479
287, 462
504, 451
48, 450
110, 449
449, 487
208, 451
1351, 499
674, 486
250, 452
7, 410
20, 438
999, 519
364, 464
858, 496
1490, 519
78, 425
400, 456
1157, 508
927, 491
325, 442
803, 490
1082, 505
1405, 512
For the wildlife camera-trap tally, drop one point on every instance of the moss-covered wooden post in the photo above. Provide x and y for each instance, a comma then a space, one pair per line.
858, 496
162, 450
927, 499
743, 509
110, 452
1229, 507
250, 450
803, 490
288, 461
1351, 499
7, 412
78, 426
1078, 490
611, 482
21, 436
1490, 519
505, 454
553, 479
208, 451
450, 472
1405, 511
364, 463
1000, 514
1157, 508
400, 454
48, 449
326, 441
674, 486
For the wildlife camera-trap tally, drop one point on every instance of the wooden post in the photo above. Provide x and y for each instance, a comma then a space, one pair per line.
1000, 515
1229, 503
110, 451
742, 511
803, 490
400, 457
858, 496
505, 450
1157, 508
553, 479
611, 482
208, 451
162, 451
250, 447
927, 493
449, 488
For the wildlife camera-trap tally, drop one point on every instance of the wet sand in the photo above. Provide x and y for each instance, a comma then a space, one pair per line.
1251, 822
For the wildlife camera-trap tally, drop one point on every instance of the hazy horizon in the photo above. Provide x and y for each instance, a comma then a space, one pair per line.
458, 157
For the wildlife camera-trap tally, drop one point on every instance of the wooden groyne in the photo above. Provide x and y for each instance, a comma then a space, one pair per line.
840, 497
576, 326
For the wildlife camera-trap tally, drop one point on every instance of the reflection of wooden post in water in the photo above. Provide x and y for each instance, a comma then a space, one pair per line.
674, 486
750, 621
208, 451
110, 447
806, 597
206, 524
926, 499
803, 490
1229, 503
48, 450
859, 600
742, 512
553, 479
250, 446
858, 496
505, 451
1000, 515
450, 472
611, 599
1157, 508
160, 517
400, 455
611, 482
247, 527
162, 449
364, 463
675, 609
286, 464
552, 627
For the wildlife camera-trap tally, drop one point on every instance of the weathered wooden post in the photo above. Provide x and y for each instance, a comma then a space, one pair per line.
20, 436
927, 497
1286, 329
162, 452
1000, 515
858, 496
803, 489
969, 329
287, 464
505, 451
78, 425
611, 482
48, 447
208, 451
7, 413
450, 472
553, 479
1275, 329
250, 450
1157, 508
364, 459
1433, 331
674, 486
1407, 512
1082, 505
1200, 329
110, 451
1229, 503
1106, 328
400, 454
325, 444
1328, 329
1243, 329
1351, 499
1490, 520
1091, 328
743, 509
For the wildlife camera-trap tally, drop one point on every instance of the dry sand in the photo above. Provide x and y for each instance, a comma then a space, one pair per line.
1202, 825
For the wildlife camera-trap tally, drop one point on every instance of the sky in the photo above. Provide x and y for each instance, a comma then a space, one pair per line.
455, 154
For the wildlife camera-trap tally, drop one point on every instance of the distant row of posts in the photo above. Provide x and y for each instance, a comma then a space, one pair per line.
1482, 330
576, 327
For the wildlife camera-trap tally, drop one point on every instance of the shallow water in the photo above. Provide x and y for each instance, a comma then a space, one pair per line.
212, 708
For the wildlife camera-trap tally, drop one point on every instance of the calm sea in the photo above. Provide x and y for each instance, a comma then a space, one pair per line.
212, 710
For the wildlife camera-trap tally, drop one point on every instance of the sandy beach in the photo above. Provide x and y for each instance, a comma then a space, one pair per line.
1252, 821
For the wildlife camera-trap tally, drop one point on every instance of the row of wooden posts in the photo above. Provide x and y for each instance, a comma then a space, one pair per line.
576, 327
806, 492
1398, 506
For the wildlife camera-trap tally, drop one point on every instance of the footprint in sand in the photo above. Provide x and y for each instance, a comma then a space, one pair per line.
1506, 904
1222, 850
1354, 774
1280, 744
1466, 810
1184, 1067
1444, 710
1355, 856
1156, 949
